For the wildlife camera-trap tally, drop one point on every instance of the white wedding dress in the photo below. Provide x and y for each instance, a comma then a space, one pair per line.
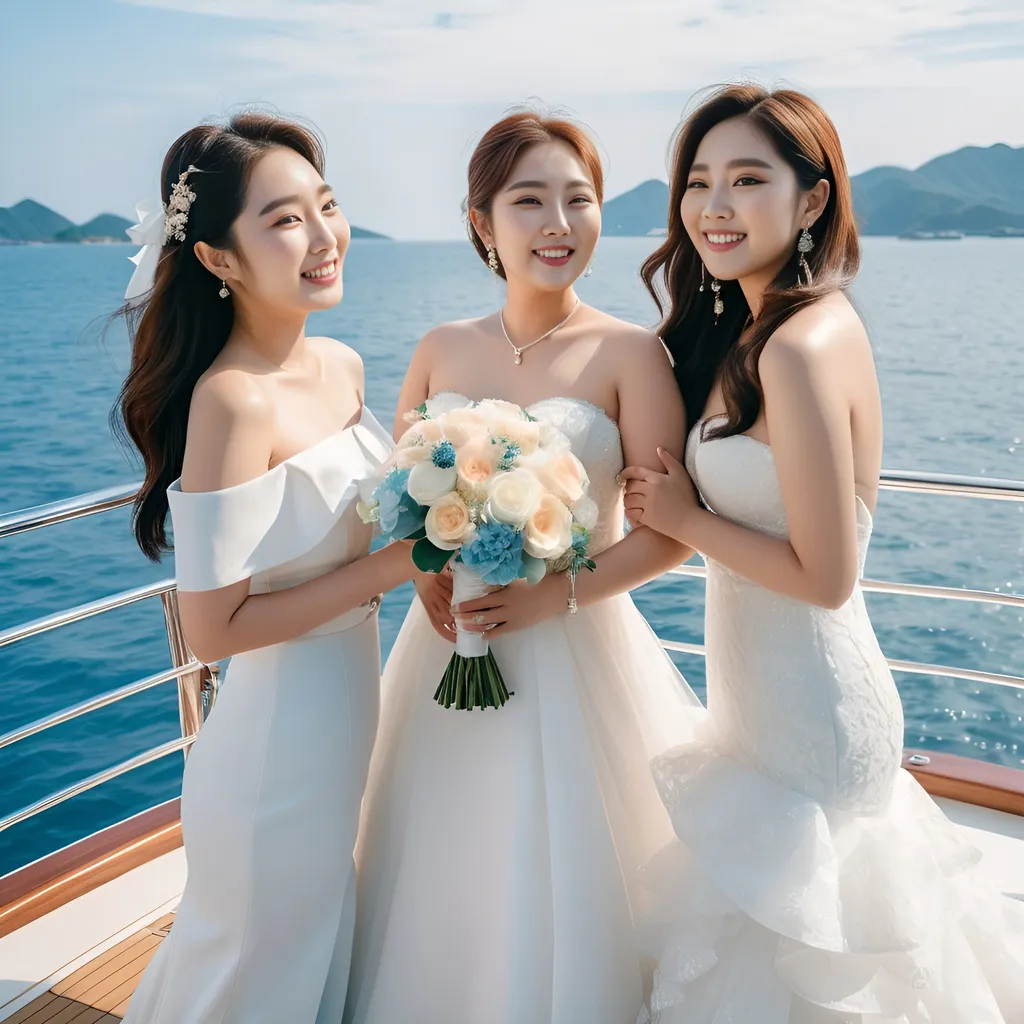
816, 882
499, 850
272, 787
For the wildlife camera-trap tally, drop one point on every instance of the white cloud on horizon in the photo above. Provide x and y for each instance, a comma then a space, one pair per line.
454, 51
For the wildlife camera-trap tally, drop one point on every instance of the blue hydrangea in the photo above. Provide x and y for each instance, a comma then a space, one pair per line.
512, 452
444, 455
496, 554
400, 516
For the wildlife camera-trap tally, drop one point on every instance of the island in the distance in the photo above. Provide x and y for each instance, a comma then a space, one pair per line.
972, 191
29, 221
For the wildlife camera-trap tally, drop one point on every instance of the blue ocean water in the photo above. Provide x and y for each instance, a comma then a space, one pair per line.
945, 323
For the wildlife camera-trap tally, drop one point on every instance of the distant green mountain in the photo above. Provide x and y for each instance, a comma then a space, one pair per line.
640, 211
973, 190
30, 221
105, 227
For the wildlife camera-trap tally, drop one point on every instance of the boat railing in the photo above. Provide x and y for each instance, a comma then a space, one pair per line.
197, 683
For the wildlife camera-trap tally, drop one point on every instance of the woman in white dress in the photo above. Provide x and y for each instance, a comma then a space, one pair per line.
269, 434
817, 882
499, 849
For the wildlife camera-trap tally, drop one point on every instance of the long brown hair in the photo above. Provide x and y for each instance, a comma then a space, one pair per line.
804, 136
501, 146
181, 325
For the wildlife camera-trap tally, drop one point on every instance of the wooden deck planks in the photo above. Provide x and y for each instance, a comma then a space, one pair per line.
99, 991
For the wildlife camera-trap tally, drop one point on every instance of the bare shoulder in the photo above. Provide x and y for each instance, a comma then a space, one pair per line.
230, 430
227, 398
457, 331
817, 336
638, 348
341, 360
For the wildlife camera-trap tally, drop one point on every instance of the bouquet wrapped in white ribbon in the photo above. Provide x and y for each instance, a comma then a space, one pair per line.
500, 496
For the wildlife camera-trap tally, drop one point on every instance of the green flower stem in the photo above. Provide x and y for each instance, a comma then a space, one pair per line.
470, 683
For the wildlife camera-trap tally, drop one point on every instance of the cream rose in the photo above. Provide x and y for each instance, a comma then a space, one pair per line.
475, 463
514, 497
428, 482
448, 523
548, 532
563, 475
522, 432
463, 425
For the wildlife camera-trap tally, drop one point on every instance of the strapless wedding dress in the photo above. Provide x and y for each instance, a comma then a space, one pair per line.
817, 883
272, 787
499, 850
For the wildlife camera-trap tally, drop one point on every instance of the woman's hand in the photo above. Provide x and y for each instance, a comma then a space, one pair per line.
517, 606
435, 593
665, 502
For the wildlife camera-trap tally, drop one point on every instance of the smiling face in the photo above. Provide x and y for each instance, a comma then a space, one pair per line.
290, 238
545, 221
743, 207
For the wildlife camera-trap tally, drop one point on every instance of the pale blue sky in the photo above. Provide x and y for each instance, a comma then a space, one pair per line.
94, 90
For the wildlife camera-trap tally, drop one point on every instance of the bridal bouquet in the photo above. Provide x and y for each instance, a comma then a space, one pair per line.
498, 494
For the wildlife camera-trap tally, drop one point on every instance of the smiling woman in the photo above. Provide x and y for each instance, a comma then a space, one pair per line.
255, 437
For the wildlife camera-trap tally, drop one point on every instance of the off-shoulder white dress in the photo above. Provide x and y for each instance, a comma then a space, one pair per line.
272, 787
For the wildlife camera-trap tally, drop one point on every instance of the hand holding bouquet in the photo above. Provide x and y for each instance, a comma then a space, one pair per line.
498, 494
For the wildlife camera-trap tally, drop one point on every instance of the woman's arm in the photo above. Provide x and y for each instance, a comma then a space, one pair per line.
651, 415
230, 440
804, 374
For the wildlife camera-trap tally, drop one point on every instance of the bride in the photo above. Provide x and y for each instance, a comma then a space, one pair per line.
818, 884
498, 851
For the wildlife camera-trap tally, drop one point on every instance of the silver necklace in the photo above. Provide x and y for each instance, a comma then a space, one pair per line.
520, 349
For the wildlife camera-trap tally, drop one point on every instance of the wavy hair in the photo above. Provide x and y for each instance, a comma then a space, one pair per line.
805, 137
181, 324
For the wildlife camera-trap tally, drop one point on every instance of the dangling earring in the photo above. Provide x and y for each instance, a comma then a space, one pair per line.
223, 293
589, 270
492, 258
803, 246
716, 287
702, 275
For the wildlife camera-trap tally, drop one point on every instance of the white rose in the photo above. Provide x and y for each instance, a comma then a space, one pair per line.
494, 410
406, 458
448, 523
429, 430
428, 482
443, 403
514, 497
548, 532
552, 439
584, 511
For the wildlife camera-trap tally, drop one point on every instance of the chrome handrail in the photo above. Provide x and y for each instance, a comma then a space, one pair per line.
950, 483
146, 757
197, 684
95, 703
124, 494
84, 611
915, 667
905, 589
67, 509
